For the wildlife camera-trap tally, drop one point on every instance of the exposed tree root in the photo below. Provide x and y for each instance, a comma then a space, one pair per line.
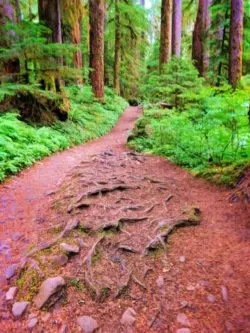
88, 258
122, 287
142, 285
162, 237
127, 248
80, 205
72, 224
170, 197
149, 210
104, 190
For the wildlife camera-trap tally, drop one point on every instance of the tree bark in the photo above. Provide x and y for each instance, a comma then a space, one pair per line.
96, 20
176, 27
18, 11
10, 68
72, 12
50, 14
235, 43
165, 38
200, 46
117, 48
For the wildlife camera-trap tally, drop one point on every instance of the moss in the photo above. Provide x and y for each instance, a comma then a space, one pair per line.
28, 284
77, 284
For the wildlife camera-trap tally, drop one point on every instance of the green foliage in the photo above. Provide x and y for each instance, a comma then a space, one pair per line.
22, 144
211, 139
178, 84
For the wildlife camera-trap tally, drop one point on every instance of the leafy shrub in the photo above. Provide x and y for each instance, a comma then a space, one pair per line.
212, 138
178, 84
22, 144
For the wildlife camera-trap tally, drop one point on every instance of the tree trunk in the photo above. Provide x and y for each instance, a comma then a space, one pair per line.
96, 20
176, 28
200, 46
165, 37
72, 13
11, 67
50, 14
235, 43
18, 11
117, 48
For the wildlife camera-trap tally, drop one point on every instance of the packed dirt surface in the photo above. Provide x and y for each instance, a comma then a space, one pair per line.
135, 244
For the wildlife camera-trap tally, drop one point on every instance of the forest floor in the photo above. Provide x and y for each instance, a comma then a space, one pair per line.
149, 238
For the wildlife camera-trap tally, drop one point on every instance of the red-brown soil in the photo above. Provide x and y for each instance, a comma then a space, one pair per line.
187, 277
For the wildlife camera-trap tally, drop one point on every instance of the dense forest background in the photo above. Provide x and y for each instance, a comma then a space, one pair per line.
67, 67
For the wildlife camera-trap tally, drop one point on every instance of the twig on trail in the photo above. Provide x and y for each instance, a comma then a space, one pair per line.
106, 189
152, 321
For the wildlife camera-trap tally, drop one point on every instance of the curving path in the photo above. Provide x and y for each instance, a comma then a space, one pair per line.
199, 279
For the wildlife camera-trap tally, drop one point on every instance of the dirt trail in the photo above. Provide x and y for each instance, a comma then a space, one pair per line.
171, 247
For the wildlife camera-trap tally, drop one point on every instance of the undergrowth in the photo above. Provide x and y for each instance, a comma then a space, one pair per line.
206, 132
22, 144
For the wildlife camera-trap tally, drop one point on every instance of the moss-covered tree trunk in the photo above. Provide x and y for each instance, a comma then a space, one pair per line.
72, 14
235, 44
200, 46
165, 38
176, 27
117, 48
50, 14
96, 20
9, 69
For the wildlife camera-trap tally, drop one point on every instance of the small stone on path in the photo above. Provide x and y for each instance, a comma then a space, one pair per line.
11, 293
182, 259
128, 317
60, 259
10, 271
87, 324
70, 248
182, 319
32, 322
19, 308
47, 289
211, 298
184, 304
224, 293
